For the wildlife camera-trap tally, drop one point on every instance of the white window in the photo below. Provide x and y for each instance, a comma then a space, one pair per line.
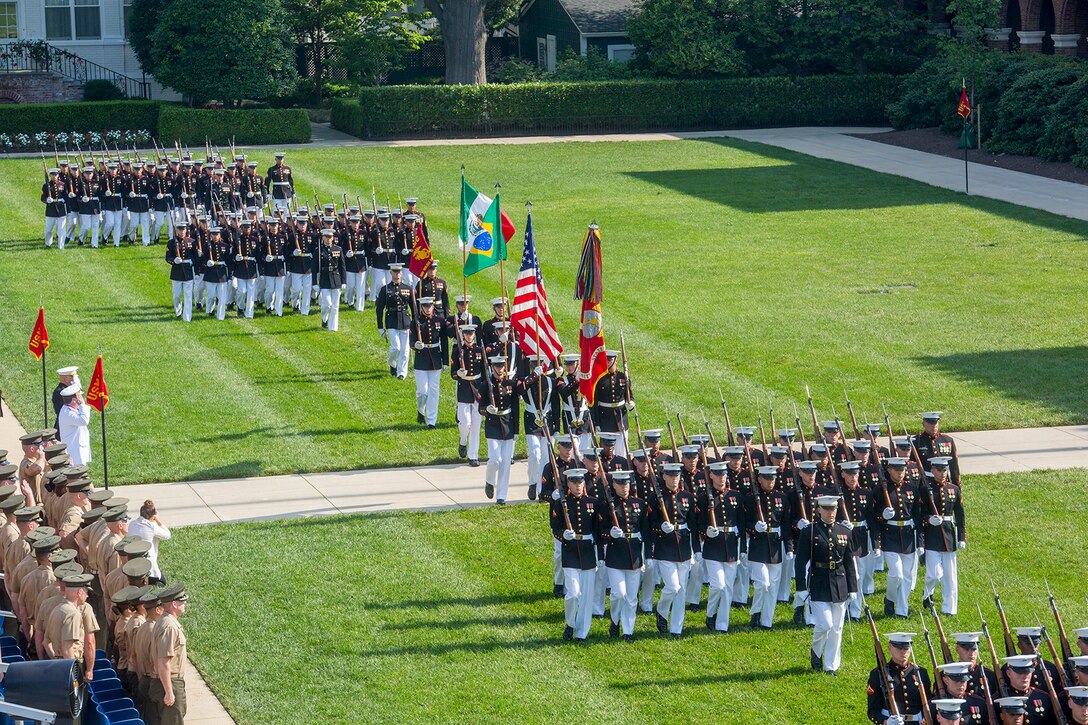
62, 17
9, 27
126, 17
621, 53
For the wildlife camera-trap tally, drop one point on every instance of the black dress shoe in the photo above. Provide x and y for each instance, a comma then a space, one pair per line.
532, 492
473, 463
324, 323
754, 622
242, 313
557, 591
710, 622
675, 635
833, 673
431, 426
568, 634
815, 661
662, 623
799, 615
392, 370
613, 630
889, 607
693, 607
268, 310
420, 418
502, 502
628, 638
462, 451
489, 490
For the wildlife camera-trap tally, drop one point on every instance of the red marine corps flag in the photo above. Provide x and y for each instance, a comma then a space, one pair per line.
421, 255
964, 108
39, 342
589, 289
98, 397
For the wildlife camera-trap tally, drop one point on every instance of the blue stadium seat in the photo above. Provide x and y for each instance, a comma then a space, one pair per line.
8, 639
121, 703
102, 665
118, 716
9, 659
129, 722
99, 683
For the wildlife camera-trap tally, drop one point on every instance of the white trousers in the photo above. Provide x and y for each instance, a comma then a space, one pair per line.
73, 223
828, 618
284, 204
217, 295
468, 425
693, 592
577, 599
160, 219
765, 579
355, 292
623, 597
671, 604
538, 457
800, 599
742, 583
427, 386
143, 221
902, 575
245, 296
300, 290
557, 561
199, 293
720, 593
273, 294
183, 299
784, 582
329, 299
56, 225
866, 566
398, 351
500, 454
378, 278
600, 586
90, 224
111, 226
650, 578
942, 568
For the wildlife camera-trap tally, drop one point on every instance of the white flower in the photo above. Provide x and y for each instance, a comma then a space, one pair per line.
62, 138
22, 139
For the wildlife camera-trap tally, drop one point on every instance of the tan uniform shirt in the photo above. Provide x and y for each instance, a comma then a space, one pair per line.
22, 567
106, 560
120, 640
132, 625
73, 624
70, 521
170, 642
9, 532
56, 513
94, 534
16, 552
115, 581
141, 648
32, 479
32, 586
49, 599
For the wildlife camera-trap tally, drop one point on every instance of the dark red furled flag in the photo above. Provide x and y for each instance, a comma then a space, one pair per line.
964, 109
589, 288
421, 255
39, 338
98, 396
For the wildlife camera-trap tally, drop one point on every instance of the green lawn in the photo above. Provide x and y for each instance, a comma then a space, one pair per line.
726, 264
448, 617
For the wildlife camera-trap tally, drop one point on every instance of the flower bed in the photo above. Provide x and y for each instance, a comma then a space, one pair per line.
86, 141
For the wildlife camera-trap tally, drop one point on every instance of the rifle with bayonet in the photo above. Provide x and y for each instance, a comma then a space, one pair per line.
728, 425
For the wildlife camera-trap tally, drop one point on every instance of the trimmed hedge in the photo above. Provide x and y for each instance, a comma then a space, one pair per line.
250, 127
617, 105
82, 117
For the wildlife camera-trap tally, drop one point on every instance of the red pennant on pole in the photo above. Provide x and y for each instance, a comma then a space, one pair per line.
39, 338
98, 396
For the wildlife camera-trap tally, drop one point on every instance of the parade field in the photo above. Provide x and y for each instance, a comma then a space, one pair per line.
725, 264
414, 617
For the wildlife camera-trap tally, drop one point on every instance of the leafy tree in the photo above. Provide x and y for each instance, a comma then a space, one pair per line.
254, 58
374, 36
142, 20
686, 38
465, 25
855, 36
313, 22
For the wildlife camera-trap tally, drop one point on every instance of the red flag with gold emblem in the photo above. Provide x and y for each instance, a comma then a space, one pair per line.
589, 288
98, 396
421, 254
964, 109
39, 338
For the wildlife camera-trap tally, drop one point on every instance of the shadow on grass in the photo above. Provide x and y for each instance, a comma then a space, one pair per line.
1046, 376
719, 679
238, 469
332, 376
522, 599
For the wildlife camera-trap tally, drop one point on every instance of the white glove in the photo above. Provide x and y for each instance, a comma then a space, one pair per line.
802, 524
72, 195
743, 558
568, 535
876, 552
963, 546
132, 195
296, 253
853, 597
315, 289
492, 410
379, 250
789, 556
349, 253
109, 193
848, 525
462, 373
268, 257
184, 195
237, 257
249, 194
761, 527
895, 720
177, 260
158, 196
935, 520
712, 532
667, 528
631, 405
418, 345
49, 200
889, 514
85, 199
504, 337
211, 263
616, 532
555, 495
538, 371
921, 552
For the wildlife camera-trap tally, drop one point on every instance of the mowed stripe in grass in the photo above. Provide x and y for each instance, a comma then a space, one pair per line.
448, 617
726, 264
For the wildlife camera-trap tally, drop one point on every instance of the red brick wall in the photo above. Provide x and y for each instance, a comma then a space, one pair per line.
37, 88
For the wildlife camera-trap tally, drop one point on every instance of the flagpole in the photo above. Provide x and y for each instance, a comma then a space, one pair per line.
966, 145
105, 462
45, 394
464, 253
536, 319
502, 272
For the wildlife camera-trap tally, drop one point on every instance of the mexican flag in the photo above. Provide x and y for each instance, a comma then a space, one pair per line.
484, 233
475, 204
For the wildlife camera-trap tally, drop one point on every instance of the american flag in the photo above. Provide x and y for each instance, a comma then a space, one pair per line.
531, 318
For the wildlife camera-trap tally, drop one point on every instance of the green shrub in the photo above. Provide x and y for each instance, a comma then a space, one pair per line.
1060, 140
96, 116
248, 127
516, 70
1024, 109
102, 90
635, 104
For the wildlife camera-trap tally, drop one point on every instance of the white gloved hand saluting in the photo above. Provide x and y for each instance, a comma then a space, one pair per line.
712, 532
888, 514
616, 532
568, 534
667, 528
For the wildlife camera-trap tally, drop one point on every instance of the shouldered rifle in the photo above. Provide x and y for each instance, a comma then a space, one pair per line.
882, 666
1044, 675
683, 431
991, 713
593, 433
1002, 688
800, 433
1067, 651
709, 488
650, 470
45, 168
755, 483
946, 651
799, 487
728, 425
888, 425
623, 354
709, 432
853, 419
938, 685
774, 429
923, 483
927, 716
815, 422
672, 437
1059, 664
842, 434
1010, 646
763, 440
